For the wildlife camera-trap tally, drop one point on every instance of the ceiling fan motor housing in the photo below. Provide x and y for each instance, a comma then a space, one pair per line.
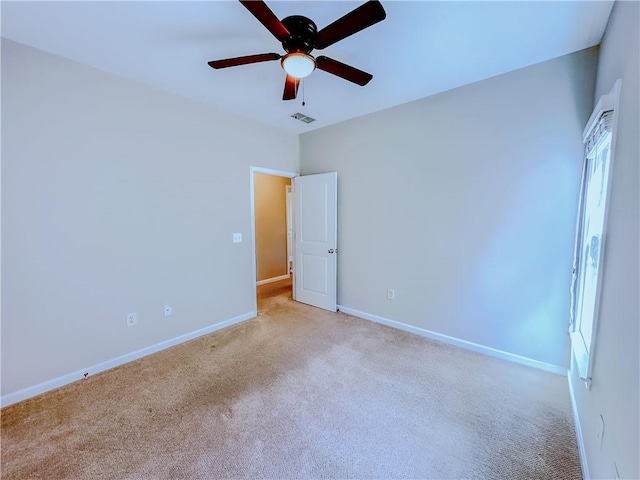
302, 32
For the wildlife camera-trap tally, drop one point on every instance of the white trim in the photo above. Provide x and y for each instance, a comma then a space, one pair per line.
492, 352
272, 280
576, 419
607, 102
43, 387
266, 171
271, 171
289, 207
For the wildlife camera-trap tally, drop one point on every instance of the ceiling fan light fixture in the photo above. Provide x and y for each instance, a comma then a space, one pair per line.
298, 64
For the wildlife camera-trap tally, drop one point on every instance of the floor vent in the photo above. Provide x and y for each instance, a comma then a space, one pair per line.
303, 118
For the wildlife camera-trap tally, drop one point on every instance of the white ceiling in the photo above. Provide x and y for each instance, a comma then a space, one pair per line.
422, 48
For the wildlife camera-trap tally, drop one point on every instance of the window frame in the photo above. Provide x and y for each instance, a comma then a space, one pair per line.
583, 353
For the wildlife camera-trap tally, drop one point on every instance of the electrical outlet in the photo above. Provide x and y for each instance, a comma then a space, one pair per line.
167, 310
237, 238
391, 294
132, 319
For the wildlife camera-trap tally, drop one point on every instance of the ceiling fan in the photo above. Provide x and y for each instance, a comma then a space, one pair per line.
299, 36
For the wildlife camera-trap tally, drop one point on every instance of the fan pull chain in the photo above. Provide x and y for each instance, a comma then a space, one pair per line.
303, 103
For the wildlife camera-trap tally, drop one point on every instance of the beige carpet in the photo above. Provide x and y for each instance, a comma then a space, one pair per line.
299, 393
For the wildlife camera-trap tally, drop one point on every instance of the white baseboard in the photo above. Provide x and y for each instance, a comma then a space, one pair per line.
271, 280
492, 352
579, 437
43, 387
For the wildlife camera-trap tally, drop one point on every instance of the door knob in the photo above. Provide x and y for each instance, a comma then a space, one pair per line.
331, 250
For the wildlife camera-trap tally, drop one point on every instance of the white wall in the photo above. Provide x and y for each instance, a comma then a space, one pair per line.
117, 198
616, 370
465, 204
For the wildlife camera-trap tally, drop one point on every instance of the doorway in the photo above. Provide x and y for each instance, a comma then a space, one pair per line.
312, 222
272, 232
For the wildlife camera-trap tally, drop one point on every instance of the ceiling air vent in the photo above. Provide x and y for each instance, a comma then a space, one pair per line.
303, 118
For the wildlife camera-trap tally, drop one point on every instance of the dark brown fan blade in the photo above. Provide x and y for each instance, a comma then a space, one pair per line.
343, 70
233, 62
290, 88
264, 14
362, 17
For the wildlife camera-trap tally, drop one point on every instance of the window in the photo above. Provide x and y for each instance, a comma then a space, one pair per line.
590, 235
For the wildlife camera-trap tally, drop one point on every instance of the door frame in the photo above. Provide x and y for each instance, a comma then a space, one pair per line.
289, 207
275, 173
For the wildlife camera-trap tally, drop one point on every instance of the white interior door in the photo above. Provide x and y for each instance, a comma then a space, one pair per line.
316, 201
